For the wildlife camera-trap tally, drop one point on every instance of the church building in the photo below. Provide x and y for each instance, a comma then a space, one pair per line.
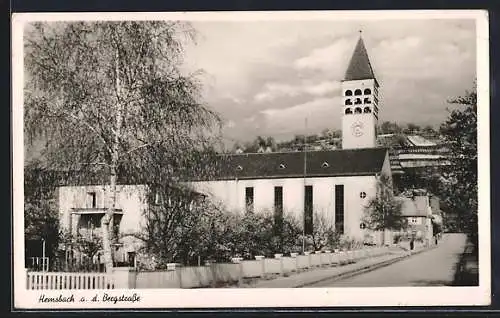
336, 184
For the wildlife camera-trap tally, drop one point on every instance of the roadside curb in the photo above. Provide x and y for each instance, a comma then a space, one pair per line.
366, 268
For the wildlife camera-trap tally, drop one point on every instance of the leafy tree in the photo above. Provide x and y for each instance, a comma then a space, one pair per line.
420, 178
311, 138
253, 234
199, 234
383, 212
388, 127
429, 130
325, 133
40, 210
412, 128
460, 183
323, 233
116, 104
271, 143
88, 245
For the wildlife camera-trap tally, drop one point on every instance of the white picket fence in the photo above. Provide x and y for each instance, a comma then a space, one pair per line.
63, 280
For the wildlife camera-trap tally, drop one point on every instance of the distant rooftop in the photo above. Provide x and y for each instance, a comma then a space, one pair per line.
420, 141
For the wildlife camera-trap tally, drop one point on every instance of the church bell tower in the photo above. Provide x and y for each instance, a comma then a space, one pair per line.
360, 101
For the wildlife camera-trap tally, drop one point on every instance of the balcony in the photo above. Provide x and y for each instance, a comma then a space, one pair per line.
87, 221
94, 211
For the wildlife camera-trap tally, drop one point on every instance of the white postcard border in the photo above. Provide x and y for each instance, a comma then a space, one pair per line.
246, 297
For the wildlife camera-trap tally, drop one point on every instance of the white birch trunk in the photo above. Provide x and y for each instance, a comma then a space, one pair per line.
107, 220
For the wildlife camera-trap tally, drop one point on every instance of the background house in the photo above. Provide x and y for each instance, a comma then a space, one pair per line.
81, 209
418, 211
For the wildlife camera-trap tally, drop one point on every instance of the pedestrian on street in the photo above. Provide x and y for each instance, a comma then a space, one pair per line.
411, 244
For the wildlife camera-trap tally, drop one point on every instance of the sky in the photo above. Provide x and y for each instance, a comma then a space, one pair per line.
265, 77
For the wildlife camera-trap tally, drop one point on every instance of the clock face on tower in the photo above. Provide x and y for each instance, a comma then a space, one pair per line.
357, 129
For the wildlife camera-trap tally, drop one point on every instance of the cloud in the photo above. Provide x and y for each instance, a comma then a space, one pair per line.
323, 88
273, 91
319, 112
332, 58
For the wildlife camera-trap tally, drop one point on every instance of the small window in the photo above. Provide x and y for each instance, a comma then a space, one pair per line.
357, 92
358, 110
367, 110
362, 226
348, 101
348, 92
239, 168
91, 200
358, 101
249, 199
367, 100
308, 210
362, 194
368, 91
278, 208
325, 165
282, 166
131, 259
348, 111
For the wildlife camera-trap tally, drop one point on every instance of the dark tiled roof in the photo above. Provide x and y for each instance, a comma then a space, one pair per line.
359, 67
350, 162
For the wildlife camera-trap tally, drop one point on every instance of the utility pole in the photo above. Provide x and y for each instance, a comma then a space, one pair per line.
304, 187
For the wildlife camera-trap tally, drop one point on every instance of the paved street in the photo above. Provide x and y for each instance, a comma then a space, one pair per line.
431, 268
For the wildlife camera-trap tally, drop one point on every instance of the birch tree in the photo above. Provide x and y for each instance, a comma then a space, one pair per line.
111, 100
383, 212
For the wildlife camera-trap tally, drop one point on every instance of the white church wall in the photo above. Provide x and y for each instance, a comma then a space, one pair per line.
232, 193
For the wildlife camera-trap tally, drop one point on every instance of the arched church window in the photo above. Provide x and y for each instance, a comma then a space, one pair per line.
367, 100
368, 91
367, 110
348, 101
358, 110
357, 92
358, 101
348, 92
348, 111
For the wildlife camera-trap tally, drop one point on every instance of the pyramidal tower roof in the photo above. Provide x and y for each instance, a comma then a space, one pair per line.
359, 67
